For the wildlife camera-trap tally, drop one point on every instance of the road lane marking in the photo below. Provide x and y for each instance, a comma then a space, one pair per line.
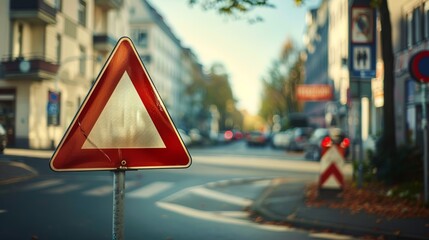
44, 184
65, 189
99, 191
266, 163
239, 201
131, 184
150, 190
217, 217
330, 236
234, 214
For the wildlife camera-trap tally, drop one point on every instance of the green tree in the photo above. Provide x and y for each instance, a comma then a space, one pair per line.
278, 96
219, 93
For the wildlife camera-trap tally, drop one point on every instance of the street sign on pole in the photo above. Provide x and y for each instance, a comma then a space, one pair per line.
419, 70
122, 123
419, 66
54, 108
362, 60
362, 52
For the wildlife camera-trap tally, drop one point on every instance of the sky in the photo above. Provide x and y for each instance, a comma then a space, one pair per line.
246, 50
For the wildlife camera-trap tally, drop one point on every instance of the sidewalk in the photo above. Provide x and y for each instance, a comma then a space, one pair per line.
284, 202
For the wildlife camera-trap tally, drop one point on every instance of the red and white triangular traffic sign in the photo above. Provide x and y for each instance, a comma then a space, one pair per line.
122, 124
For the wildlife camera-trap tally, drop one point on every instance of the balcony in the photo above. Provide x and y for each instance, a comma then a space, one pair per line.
33, 11
34, 68
109, 4
103, 42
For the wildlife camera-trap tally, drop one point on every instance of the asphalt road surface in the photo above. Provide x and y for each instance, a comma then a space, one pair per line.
206, 201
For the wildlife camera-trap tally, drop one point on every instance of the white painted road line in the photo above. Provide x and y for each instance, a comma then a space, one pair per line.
266, 163
64, 189
218, 217
44, 184
330, 236
100, 191
150, 190
221, 196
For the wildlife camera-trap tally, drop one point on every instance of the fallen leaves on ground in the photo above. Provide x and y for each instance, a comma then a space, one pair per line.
370, 199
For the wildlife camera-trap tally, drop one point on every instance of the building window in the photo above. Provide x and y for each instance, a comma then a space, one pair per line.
20, 39
82, 67
59, 5
58, 48
82, 12
417, 28
414, 28
409, 32
146, 59
141, 38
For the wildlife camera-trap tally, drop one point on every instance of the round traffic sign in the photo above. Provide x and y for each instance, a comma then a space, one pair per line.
419, 66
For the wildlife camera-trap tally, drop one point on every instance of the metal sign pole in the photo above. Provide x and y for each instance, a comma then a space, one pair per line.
425, 143
118, 204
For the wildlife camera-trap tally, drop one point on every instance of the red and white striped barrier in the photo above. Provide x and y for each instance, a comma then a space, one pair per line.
331, 164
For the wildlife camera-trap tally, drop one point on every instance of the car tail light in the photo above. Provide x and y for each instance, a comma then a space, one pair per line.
326, 142
345, 143
228, 135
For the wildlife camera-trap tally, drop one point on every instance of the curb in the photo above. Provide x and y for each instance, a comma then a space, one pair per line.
258, 210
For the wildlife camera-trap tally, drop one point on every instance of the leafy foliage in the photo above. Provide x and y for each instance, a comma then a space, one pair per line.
219, 93
405, 166
278, 96
234, 8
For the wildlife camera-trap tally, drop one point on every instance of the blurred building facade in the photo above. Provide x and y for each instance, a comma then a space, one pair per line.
316, 65
410, 34
337, 59
53, 50
172, 67
331, 18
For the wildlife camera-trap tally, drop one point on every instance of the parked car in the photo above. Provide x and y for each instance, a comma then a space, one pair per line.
3, 138
313, 149
282, 139
238, 135
185, 137
256, 138
196, 137
300, 138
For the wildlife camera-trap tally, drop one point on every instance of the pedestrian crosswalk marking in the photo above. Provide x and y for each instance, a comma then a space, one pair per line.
100, 191
44, 184
221, 196
150, 190
58, 186
65, 189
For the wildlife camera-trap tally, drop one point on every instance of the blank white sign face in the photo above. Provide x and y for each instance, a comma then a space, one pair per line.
124, 122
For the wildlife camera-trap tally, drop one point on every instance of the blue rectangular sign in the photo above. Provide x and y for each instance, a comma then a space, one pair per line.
362, 47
